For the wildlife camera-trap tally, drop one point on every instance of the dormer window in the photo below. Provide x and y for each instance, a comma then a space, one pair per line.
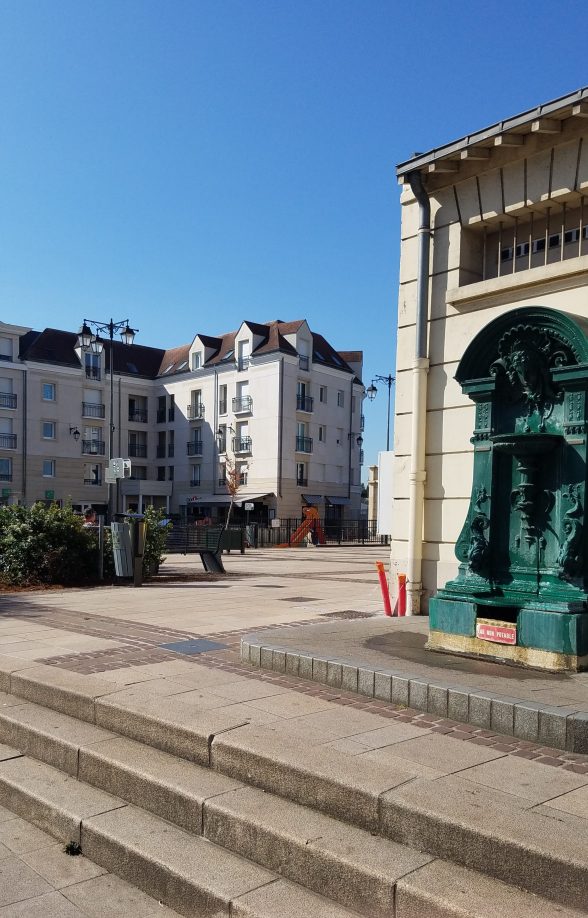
244, 351
197, 360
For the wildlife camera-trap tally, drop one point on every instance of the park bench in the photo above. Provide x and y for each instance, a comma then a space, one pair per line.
207, 541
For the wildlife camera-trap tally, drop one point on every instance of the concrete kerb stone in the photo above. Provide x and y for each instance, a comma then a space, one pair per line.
560, 727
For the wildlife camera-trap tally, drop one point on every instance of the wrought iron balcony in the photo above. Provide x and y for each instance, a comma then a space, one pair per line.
93, 373
138, 450
92, 410
242, 444
138, 415
304, 403
242, 405
196, 411
5, 476
194, 447
195, 483
7, 441
301, 482
95, 482
7, 400
303, 362
304, 444
93, 447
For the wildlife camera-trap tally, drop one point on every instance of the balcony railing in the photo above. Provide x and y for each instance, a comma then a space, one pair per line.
194, 447
242, 405
242, 444
361, 457
302, 482
7, 441
196, 411
304, 403
304, 444
93, 447
138, 415
303, 362
138, 450
7, 400
362, 422
195, 483
160, 452
222, 407
95, 482
5, 476
243, 363
93, 373
222, 444
161, 415
92, 410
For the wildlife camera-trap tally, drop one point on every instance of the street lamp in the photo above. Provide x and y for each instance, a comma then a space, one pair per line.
371, 393
89, 339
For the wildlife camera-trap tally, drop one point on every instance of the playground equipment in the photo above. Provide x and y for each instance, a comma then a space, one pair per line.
310, 523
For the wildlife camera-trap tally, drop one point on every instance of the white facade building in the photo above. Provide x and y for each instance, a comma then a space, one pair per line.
275, 399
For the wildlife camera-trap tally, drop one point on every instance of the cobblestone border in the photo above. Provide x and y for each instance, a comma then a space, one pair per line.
555, 727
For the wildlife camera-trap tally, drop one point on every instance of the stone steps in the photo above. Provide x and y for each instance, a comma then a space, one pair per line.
350, 830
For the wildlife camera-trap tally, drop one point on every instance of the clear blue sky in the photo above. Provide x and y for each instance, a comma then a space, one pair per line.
191, 164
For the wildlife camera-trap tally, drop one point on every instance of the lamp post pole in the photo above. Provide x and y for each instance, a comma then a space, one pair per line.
89, 339
371, 393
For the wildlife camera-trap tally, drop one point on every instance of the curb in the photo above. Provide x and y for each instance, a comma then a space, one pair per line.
559, 727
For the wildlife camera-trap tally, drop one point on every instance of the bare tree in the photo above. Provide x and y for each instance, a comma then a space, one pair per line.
233, 482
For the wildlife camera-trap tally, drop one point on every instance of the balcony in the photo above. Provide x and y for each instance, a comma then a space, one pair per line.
243, 405
5, 476
94, 482
304, 444
138, 415
138, 450
222, 444
7, 441
242, 444
93, 373
362, 422
243, 363
303, 362
222, 407
194, 447
195, 483
304, 403
160, 452
361, 457
161, 416
301, 482
7, 400
195, 412
92, 410
93, 447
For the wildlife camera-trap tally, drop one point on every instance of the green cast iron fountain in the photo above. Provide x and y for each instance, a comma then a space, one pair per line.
521, 590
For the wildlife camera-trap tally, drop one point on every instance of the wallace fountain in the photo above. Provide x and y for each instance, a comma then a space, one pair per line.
521, 591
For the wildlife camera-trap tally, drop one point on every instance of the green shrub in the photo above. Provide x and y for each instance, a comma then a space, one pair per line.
155, 540
40, 545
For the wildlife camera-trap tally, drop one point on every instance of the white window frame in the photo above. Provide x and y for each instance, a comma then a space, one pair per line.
340, 398
53, 426
53, 388
322, 433
197, 360
323, 392
48, 464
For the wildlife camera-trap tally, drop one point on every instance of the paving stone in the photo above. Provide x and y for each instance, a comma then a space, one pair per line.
553, 725
502, 714
267, 658
19, 836
438, 699
279, 661
442, 753
283, 899
349, 677
400, 686
60, 690
291, 704
334, 674
418, 694
526, 720
112, 897
458, 704
305, 666
386, 736
319, 670
365, 681
575, 802
18, 881
292, 664
524, 778
480, 709
51, 905
59, 868
383, 686
577, 733
255, 655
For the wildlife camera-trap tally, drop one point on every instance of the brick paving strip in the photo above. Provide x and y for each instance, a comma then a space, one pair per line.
141, 645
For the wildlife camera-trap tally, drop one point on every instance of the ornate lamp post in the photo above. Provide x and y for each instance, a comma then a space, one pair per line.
89, 340
371, 393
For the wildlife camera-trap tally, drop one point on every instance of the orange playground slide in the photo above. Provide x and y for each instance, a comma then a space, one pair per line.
310, 523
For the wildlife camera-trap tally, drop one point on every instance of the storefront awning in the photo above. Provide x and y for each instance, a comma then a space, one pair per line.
338, 501
209, 499
251, 498
312, 498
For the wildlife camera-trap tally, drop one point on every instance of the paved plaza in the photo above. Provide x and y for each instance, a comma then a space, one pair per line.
173, 648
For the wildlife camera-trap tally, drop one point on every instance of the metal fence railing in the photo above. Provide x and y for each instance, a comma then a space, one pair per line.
336, 532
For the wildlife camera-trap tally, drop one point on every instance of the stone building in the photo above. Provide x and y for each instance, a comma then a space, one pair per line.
492, 222
275, 399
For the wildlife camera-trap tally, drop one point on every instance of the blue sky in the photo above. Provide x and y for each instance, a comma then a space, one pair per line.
191, 164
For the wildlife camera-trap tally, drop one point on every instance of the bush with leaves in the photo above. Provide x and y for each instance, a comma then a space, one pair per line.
43, 545
157, 526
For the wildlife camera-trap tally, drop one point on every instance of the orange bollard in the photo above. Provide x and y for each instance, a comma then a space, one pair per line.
401, 594
384, 587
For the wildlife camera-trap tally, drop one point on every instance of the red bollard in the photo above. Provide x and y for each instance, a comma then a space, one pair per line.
384, 587
401, 594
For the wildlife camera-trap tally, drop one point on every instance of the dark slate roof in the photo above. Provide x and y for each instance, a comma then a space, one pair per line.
50, 346
135, 359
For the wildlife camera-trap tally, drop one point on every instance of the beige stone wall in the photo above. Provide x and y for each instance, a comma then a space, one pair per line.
547, 177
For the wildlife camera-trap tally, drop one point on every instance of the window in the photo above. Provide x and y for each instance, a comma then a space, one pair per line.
197, 360
340, 398
139, 472
243, 352
222, 399
195, 476
222, 474
5, 348
48, 468
48, 392
161, 472
322, 433
48, 430
323, 394
170, 473
92, 365
5, 469
301, 477
339, 436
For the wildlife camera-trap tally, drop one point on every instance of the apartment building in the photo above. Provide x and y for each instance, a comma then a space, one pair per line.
275, 401
493, 222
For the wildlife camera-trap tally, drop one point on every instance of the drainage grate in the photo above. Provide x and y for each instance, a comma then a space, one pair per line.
199, 645
299, 599
348, 614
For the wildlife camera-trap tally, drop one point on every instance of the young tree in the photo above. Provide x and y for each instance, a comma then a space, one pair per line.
233, 476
